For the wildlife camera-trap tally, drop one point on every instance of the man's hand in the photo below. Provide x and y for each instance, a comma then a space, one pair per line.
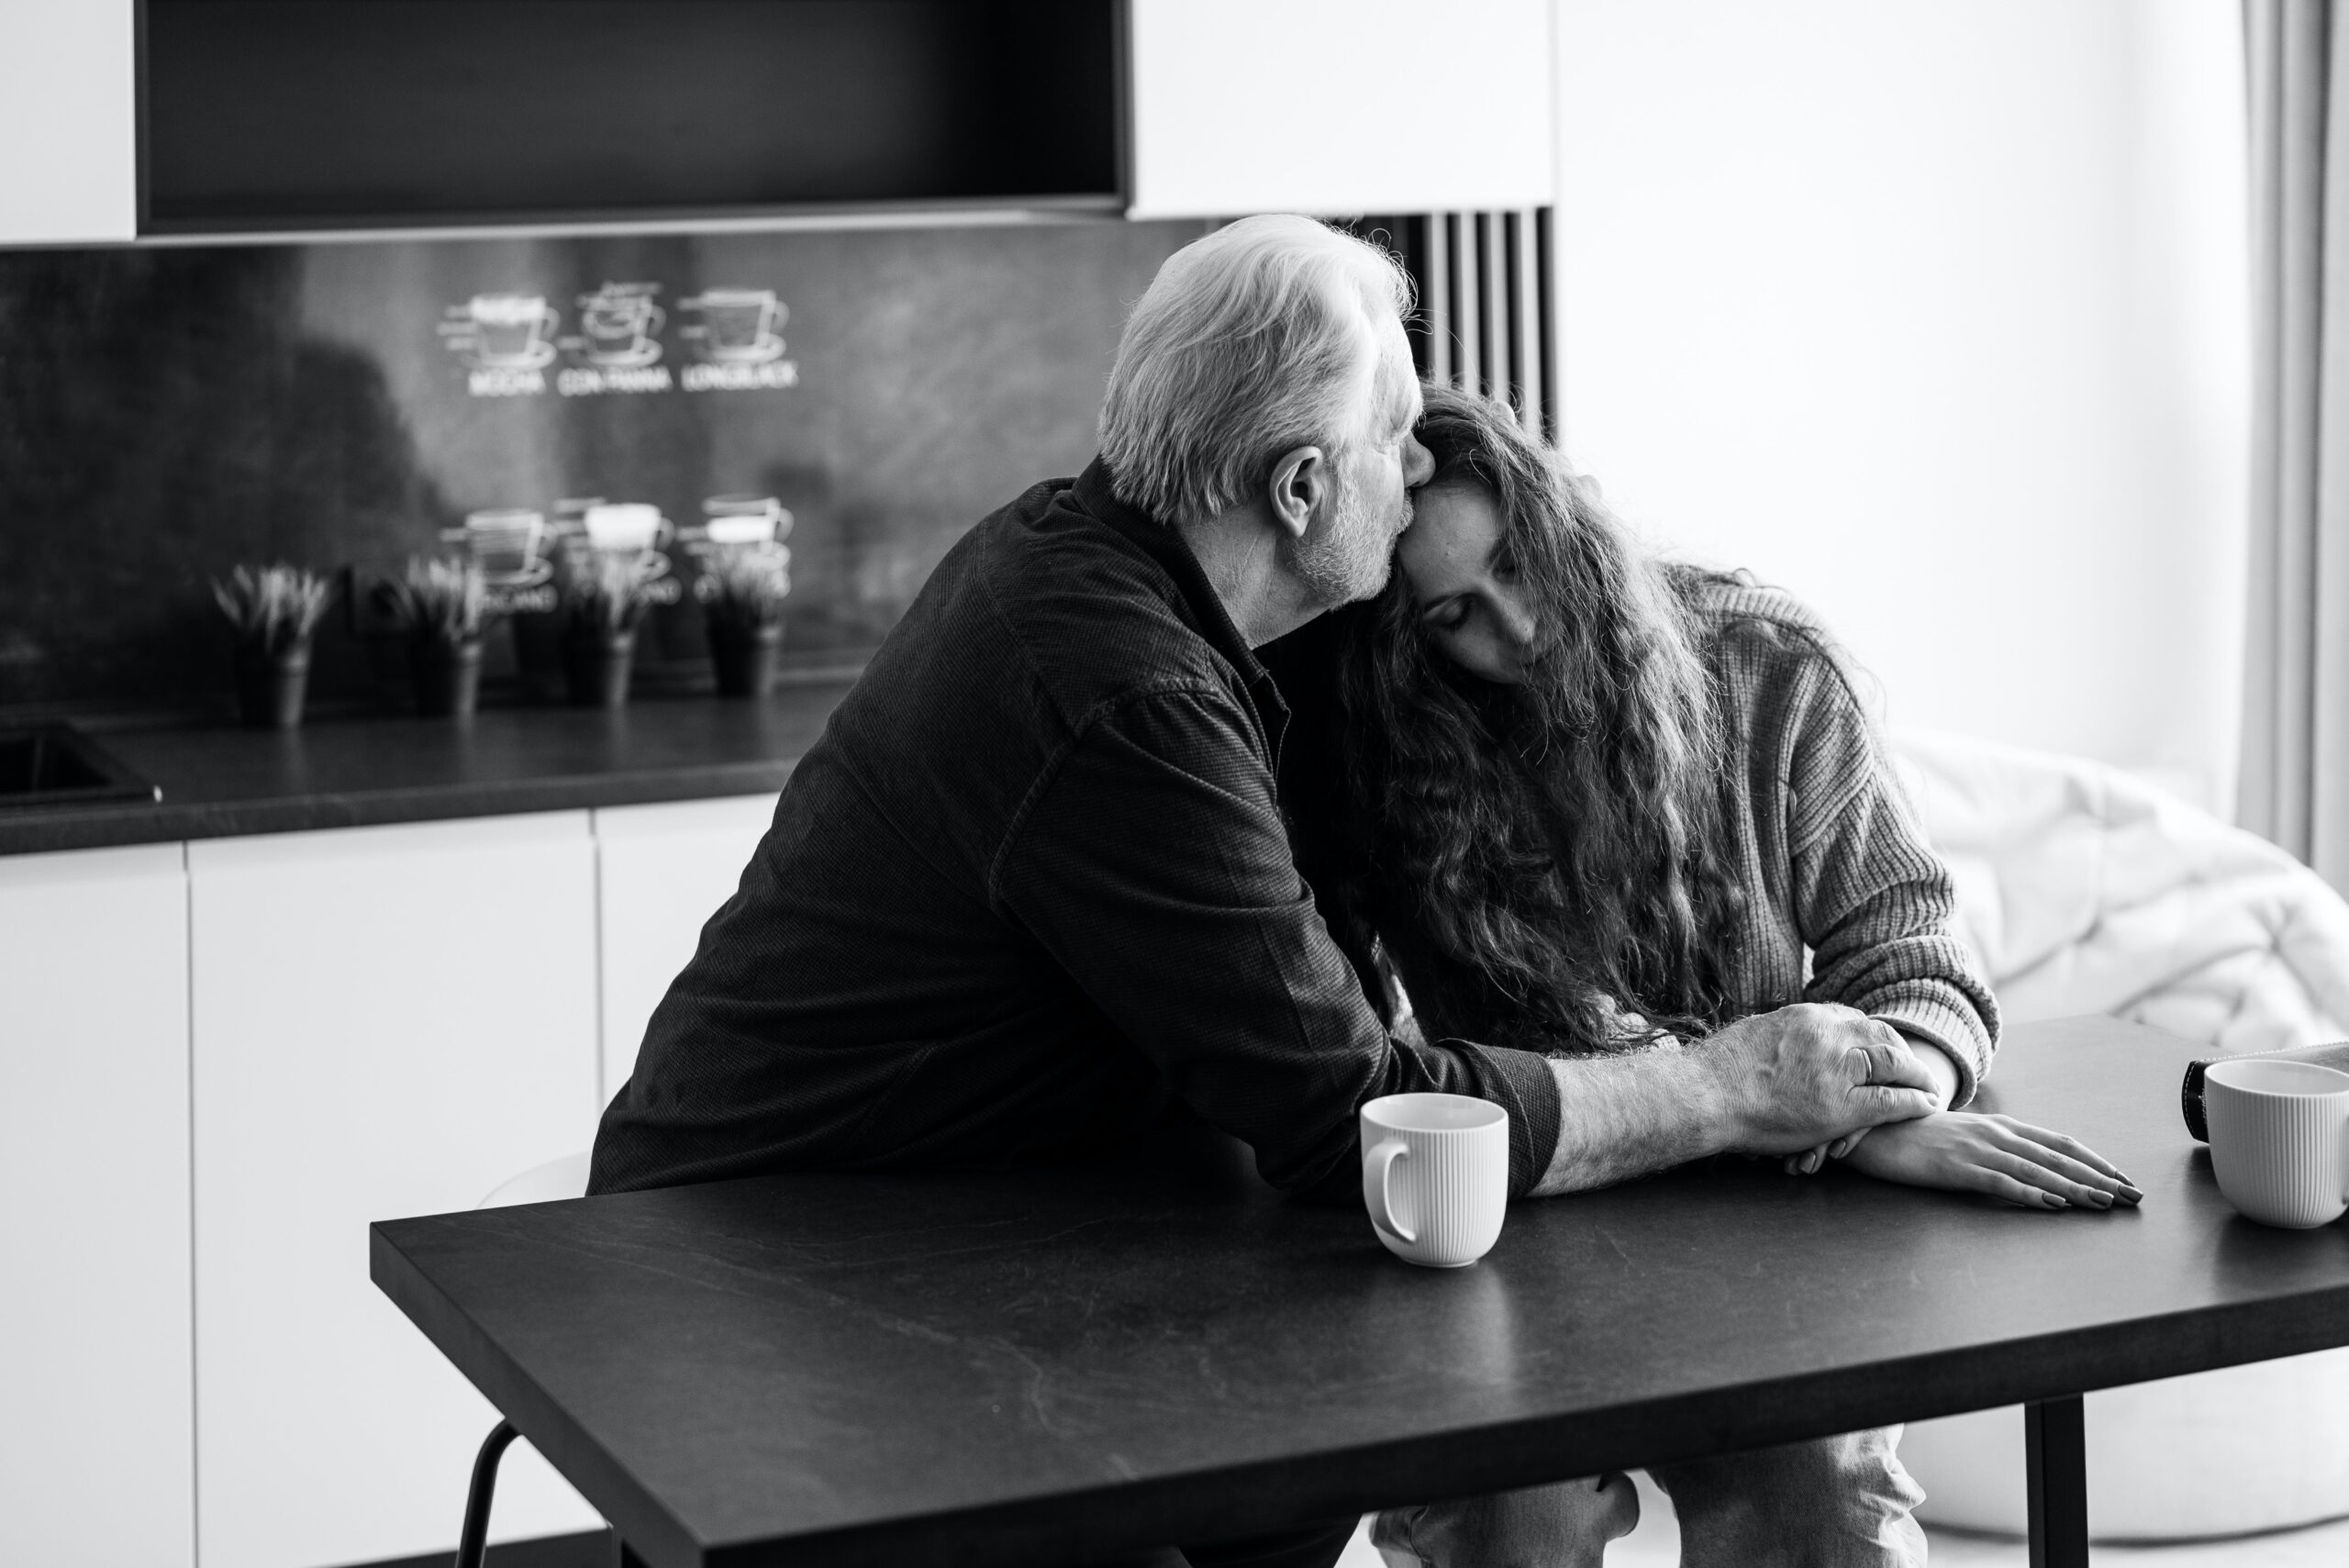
1811, 1074
1959, 1151
1773, 1083
1946, 1080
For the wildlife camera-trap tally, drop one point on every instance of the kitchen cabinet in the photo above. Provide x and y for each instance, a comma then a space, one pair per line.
1372, 106
97, 1461
664, 871
268, 117
69, 121
386, 1022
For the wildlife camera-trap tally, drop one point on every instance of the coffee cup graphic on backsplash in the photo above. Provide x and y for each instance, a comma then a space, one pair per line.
619, 325
506, 332
738, 326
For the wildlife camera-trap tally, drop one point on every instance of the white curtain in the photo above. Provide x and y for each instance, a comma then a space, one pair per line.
2294, 781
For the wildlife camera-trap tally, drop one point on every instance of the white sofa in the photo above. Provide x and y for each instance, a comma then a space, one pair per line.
2084, 890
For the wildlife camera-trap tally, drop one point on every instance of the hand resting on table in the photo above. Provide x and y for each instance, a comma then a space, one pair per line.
2012, 1160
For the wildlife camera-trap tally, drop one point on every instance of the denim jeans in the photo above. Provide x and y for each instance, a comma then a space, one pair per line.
1841, 1502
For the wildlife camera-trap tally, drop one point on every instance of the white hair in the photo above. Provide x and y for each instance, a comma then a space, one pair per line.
1259, 338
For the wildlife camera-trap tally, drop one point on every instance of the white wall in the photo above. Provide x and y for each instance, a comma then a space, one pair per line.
1260, 106
1932, 311
68, 122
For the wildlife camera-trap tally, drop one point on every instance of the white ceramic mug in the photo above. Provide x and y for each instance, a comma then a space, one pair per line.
745, 519
627, 527
504, 540
1435, 1175
2279, 1139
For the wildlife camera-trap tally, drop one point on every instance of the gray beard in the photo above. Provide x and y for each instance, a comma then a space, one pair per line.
1348, 560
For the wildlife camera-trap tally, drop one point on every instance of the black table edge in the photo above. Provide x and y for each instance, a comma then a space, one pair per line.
650, 1529
1158, 1510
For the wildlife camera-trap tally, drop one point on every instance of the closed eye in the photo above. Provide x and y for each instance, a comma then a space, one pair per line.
1447, 615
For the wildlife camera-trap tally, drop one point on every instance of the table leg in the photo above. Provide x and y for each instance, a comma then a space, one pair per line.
2056, 1456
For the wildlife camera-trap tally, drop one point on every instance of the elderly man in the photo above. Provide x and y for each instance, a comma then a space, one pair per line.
1031, 893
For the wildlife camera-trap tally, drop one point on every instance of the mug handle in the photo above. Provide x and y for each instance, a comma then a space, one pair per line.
1377, 1187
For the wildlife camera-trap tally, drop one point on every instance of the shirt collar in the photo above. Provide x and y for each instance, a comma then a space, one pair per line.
1165, 545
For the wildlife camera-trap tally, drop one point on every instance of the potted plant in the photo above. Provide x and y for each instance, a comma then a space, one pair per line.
741, 594
439, 607
272, 610
603, 600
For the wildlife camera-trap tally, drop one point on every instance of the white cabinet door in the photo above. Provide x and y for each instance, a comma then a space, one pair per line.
1340, 106
97, 1459
387, 1021
666, 871
69, 161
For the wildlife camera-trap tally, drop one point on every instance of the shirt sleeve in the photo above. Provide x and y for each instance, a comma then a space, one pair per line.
1153, 864
1873, 901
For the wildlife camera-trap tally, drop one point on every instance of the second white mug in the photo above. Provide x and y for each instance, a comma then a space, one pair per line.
2279, 1139
1435, 1175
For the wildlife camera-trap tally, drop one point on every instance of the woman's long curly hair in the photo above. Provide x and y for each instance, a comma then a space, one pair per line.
1558, 842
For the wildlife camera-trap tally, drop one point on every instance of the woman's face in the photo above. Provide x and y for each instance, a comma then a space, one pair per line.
1463, 584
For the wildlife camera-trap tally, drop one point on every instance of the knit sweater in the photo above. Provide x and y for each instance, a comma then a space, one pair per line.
1844, 900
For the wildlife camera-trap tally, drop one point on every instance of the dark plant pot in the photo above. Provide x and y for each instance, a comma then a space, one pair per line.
538, 648
447, 675
597, 667
744, 657
270, 685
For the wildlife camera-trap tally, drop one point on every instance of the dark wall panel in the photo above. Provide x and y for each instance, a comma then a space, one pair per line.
166, 414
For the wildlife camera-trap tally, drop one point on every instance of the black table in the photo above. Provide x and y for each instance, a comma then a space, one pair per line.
1054, 1366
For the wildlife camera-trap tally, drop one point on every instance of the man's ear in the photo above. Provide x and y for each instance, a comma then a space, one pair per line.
1298, 488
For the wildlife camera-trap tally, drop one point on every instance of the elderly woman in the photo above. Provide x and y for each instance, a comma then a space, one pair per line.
1554, 795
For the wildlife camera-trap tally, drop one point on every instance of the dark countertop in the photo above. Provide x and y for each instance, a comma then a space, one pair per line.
220, 782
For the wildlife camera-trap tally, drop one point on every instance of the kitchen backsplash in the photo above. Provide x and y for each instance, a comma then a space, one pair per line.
166, 414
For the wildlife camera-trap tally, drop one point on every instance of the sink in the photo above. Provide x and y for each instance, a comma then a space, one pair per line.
56, 765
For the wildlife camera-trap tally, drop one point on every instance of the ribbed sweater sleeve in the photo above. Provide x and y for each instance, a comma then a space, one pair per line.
1869, 897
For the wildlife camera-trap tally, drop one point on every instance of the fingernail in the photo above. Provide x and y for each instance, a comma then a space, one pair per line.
2130, 1195
2054, 1202
2102, 1200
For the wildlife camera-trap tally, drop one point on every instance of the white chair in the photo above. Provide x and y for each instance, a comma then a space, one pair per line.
549, 1182
2084, 890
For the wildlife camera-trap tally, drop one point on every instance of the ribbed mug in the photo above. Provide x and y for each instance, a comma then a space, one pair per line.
1435, 1175
2279, 1139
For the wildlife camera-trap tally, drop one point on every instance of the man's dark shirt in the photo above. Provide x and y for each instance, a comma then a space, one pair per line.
1030, 895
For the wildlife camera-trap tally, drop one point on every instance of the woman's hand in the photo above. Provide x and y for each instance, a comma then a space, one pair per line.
2010, 1159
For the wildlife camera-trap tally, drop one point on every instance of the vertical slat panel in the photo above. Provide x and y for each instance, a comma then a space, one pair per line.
1487, 304
1494, 244
1500, 294
1553, 365
1468, 302
1435, 299
1525, 312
